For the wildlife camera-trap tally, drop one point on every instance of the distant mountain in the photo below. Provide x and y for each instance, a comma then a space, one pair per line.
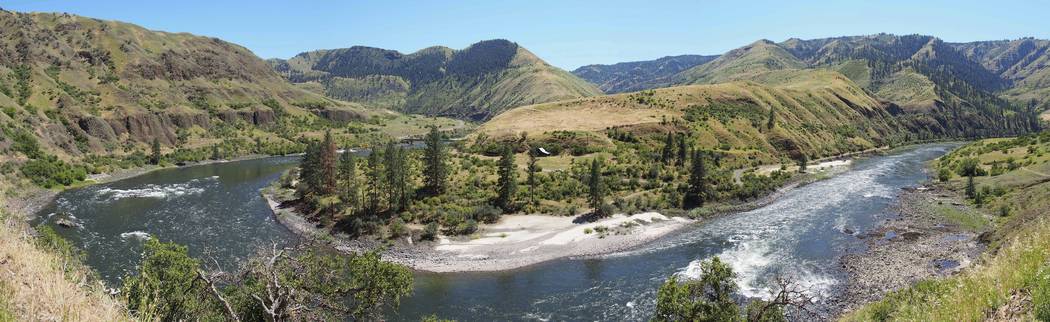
473, 83
85, 85
639, 75
983, 86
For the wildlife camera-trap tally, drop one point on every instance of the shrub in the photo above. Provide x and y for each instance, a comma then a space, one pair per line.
49, 172
944, 175
430, 231
487, 214
397, 228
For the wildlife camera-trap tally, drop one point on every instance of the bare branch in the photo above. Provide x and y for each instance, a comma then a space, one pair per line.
218, 295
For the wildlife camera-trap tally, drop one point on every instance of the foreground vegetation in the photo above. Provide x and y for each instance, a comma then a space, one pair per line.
43, 278
1010, 179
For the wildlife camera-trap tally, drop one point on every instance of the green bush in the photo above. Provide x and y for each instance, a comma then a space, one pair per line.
487, 214
49, 172
430, 231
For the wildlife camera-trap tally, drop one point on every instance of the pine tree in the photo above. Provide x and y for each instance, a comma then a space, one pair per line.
531, 180
699, 190
326, 166
683, 151
155, 156
348, 176
772, 118
396, 173
308, 171
595, 191
374, 176
971, 188
434, 155
508, 184
215, 152
668, 152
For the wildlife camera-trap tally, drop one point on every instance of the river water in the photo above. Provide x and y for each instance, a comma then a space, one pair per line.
216, 210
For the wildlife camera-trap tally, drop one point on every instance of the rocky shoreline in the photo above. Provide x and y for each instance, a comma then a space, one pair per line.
918, 243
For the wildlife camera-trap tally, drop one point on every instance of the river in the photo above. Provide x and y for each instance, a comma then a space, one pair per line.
216, 210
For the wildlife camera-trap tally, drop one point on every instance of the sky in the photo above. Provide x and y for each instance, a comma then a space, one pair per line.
565, 33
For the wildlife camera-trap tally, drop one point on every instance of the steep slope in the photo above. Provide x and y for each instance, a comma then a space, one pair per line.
741, 63
639, 75
475, 83
84, 85
816, 113
1023, 62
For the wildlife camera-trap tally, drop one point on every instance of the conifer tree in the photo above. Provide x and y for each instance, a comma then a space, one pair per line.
508, 184
374, 177
215, 152
531, 180
772, 119
699, 190
155, 155
348, 178
668, 151
683, 151
326, 167
435, 156
595, 191
308, 171
397, 177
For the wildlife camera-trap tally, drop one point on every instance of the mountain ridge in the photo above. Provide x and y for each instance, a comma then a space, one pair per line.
476, 82
638, 75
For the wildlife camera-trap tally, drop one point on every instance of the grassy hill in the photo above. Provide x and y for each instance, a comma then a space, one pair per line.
639, 75
741, 63
477, 82
816, 113
80, 96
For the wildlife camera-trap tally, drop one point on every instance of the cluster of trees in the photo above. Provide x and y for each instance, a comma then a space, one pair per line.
360, 196
280, 284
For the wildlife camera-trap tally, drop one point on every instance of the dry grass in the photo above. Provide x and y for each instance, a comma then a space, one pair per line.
555, 117
36, 287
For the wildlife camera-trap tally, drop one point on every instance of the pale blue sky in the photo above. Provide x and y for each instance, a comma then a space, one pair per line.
566, 33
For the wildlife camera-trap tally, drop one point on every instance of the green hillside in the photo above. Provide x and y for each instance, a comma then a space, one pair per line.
816, 113
477, 82
741, 63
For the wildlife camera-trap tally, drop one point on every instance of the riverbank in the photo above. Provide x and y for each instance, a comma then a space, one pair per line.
29, 202
934, 234
517, 241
